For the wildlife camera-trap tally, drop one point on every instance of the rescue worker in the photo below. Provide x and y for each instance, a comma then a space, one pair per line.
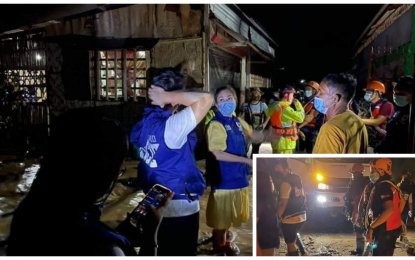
284, 121
352, 198
385, 203
291, 204
406, 187
396, 139
381, 111
364, 200
253, 113
313, 119
165, 141
343, 131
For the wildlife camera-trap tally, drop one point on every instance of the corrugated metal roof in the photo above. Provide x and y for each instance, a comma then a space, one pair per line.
230, 19
259, 41
235, 23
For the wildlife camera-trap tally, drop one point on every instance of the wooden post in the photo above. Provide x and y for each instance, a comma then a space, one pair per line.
124, 75
97, 74
135, 75
206, 43
115, 74
243, 82
108, 82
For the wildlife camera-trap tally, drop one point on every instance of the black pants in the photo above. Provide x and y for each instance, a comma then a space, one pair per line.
178, 236
308, 144
255, 149
385, 240
290, 231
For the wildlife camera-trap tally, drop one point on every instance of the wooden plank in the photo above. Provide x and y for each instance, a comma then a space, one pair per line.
124, 74
135, 73
106, 67
97, 75
243, 82
206, 43
115, 74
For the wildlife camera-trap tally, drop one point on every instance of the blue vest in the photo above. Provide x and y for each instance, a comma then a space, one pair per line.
233, 175
174, 168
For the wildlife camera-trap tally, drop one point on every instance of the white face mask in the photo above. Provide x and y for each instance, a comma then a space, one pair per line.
368, 96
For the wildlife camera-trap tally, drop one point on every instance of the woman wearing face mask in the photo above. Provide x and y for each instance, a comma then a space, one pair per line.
227, 168
396, 139
386, 203
313, 119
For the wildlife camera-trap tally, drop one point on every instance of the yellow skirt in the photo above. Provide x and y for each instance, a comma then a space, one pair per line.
227, 208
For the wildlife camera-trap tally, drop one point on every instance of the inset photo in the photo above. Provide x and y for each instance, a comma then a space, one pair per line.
335, 206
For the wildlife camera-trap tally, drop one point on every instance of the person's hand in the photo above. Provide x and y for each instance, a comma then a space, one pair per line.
295, 101
410, 214
256, 136
248, 161
158, 96
154, 217
369, 236
355, 218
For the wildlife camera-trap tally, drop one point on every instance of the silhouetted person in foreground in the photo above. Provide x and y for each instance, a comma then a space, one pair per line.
61, 214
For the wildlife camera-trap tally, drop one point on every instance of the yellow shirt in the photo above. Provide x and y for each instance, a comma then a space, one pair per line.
216, 135
345, 133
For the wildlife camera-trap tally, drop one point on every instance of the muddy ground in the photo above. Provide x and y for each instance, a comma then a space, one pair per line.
16, 178
334, 240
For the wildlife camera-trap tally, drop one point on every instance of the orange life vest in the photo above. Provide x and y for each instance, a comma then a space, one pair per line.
278, 130
309, 106
393, 221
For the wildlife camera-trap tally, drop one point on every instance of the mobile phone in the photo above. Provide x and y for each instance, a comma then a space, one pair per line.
156, 197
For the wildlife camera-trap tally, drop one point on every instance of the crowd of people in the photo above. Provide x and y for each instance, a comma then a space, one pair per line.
328, 120
378, 208
87, 163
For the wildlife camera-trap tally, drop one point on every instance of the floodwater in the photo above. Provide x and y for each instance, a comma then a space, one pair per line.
17, 177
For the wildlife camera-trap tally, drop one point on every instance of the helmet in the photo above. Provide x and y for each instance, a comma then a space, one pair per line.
314, 85
382, 163
357, 167
288, 90
375, 85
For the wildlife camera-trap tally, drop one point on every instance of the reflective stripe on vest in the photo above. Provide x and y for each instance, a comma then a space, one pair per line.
279, 129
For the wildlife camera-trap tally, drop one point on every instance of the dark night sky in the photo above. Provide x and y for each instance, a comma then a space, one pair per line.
314, 39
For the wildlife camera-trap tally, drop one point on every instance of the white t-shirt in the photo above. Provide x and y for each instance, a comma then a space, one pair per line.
178, 127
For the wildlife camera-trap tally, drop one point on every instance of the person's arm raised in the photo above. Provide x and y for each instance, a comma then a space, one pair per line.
200, 102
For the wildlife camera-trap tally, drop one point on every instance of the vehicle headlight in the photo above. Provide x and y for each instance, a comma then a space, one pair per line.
322, 186
321, 199
319, 177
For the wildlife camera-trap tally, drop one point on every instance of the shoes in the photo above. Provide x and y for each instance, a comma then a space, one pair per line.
229, 249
